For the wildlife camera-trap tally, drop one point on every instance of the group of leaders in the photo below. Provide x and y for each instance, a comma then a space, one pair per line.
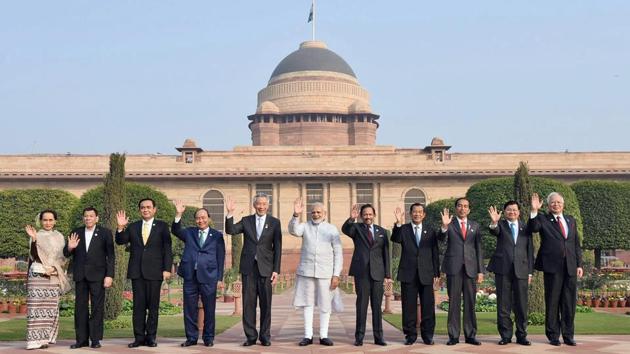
202, 266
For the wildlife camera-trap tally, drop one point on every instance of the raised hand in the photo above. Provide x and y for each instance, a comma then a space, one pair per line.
537, 203
31, 232
400, 215
354, 212
122, 219
495, 215
446, 218
298, 206
230, 205
179, 208
73, 241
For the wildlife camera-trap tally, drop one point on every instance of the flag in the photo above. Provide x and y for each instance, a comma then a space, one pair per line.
310, 14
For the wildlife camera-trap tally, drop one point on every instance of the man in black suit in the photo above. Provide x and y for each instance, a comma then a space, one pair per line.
92, 271
259, 266
418, 272
463, 264
150, 262
560, 258
202, 270
512, 264
369, 267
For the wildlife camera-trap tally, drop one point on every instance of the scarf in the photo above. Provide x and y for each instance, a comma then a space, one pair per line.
50, 246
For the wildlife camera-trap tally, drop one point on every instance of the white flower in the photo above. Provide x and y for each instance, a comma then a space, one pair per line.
492, 296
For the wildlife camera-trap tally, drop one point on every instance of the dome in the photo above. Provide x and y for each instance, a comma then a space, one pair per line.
313, 56
437, 141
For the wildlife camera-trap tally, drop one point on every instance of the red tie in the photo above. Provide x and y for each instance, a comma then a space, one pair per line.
564, 232
370, 236
464, 230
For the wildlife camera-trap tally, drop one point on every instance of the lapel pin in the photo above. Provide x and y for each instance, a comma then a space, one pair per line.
266, 226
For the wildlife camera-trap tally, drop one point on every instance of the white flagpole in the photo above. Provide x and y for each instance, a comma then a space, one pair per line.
313, 5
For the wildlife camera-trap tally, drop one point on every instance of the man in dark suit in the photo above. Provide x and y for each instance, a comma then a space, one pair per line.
202, 269
150, 262
369, 267
92, 271
418, 272
560, 258
259, 266
512, 264
463, 264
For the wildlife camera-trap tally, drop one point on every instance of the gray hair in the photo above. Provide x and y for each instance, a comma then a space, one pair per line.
259, 196
318, 205
554, 194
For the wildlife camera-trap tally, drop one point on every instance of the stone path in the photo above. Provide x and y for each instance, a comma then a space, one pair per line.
287, 331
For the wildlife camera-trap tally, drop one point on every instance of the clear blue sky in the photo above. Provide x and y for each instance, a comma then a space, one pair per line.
141, 76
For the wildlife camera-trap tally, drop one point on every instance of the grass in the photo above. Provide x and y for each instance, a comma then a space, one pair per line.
168, 326
585, 323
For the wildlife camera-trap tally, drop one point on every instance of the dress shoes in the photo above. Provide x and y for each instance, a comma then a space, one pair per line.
473, 341
305, 341
135, 344
380, 342
523, 341
504, 341
151, 343
452, 341
555, 342
428, 341
248, 343
208, 343
95, 344
77, 346
358, 343
265, 343
188, 343
570, 342
409, 340
326, 341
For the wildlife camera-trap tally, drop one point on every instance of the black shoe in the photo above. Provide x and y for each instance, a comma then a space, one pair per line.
380, 342
265, 342
95, 344
410, 340
135, 344
473, 341
428, 341
570, 342
504, 341
523, 341
452, 341
188, 343
77, 346
248, 343
305, 341
208, 343
555, 342
151, 343
358, 343
326, 341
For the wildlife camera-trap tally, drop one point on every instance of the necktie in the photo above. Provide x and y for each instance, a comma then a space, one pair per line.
145, 232
564, 232
370, 235
201, 237
417, 233
259, 227
514, 231
463, 230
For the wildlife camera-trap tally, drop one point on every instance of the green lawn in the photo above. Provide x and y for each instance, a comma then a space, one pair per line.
168, 326
585, 323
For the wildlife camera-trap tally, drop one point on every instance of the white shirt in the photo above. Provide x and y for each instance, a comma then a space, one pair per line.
260, 220
321, 253
417, 230
88, 237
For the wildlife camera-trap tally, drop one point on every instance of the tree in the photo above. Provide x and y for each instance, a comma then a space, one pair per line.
19, 207
604, 206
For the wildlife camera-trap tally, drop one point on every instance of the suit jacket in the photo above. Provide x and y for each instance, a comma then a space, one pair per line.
422, 261
508, 255
209, 257
98, 261
460, 253
267, 250
366, 259
554, 249
150, 260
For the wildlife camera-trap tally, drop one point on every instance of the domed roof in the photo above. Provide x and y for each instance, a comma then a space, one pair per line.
313, 56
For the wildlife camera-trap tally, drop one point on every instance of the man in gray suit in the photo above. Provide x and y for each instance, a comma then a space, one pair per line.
463, 263
321, 260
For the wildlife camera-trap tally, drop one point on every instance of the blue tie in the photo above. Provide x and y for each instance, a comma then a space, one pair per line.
417, 233
514, 231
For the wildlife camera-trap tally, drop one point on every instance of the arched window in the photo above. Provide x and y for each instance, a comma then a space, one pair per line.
414, 195
213, 201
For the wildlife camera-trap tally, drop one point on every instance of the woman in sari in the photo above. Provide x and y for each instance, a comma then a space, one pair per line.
46, 282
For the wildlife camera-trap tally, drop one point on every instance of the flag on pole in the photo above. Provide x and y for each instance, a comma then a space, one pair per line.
310, 14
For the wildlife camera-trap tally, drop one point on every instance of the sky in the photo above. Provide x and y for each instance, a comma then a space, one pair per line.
88, 77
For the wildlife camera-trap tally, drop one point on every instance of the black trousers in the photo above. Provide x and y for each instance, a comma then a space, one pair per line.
409, 296
560, 301
371, 290
256, 288
146, 308
208, 292
456, 285
88, 323
511, 296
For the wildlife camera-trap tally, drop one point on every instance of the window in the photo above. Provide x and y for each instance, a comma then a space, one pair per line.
266, 188
188, 157
314, 194
414, 195
213, 201
365, 193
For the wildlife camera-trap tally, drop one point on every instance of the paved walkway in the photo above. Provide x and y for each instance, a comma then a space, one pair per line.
287, 331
